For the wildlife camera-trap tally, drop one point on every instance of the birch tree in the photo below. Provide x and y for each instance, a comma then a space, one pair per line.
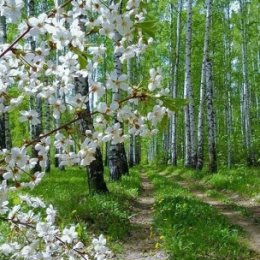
35, 102
190, 149
212, 152
117, 160
3, 37
95, 171
175, 69
228, 81
200, 159
245, 95
5, 135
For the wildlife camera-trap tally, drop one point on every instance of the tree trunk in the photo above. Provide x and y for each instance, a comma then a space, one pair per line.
200, 135
227, 83
175, 69
3, 37
35, 102
6, 141
117, 160
229, 129
190, 152
137, 149
137, 139
245, 88
211, 120
95, 171
48, 128
131, 153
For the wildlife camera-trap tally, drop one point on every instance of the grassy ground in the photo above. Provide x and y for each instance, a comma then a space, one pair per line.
225, 184
108, 214
190, 229
242, 180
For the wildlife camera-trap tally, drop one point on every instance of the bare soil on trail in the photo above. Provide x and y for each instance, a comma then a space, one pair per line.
249, 224
141, 242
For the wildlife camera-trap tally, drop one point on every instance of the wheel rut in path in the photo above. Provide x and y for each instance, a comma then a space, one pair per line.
141, 242
249, 225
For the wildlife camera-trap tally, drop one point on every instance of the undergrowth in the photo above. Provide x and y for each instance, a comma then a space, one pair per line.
190, 229
102, 213
242, 180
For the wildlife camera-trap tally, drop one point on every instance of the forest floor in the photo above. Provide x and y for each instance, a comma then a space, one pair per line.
142, 242
249, 222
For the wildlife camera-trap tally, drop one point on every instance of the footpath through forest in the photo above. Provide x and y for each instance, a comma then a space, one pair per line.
250, 224
141, 244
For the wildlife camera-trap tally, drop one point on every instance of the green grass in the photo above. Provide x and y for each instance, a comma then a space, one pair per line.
245, 181
242, 180
190, 229
107, 213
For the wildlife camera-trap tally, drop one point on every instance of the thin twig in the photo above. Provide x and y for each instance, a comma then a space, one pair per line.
10, 47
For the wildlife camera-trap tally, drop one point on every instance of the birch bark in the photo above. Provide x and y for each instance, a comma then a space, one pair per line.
227, 81
200, 135
3, 37
35, 102
131, 153
95, 171
245, 85
190, 152
175, 70
117, 160
212, 152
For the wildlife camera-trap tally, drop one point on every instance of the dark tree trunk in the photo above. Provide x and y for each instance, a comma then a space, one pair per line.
131, 159
138, 150
95, 171
117, 161
2, 132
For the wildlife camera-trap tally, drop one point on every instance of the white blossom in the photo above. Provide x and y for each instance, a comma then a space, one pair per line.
12, 10
31, 116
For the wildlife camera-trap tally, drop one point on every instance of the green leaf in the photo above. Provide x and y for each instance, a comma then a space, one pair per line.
163, 124
174, 104
82, 58
148, 27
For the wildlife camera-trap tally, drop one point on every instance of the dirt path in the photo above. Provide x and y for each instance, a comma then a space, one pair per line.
141, 243
248, 224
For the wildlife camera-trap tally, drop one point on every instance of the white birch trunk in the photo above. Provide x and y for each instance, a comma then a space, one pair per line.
229, 130
175, 69
35, 102
117, 160
138, 139
2, 116
200, 152
190, 152
212, 153
245, 86
131, 150
227, 76
5, 135
57, 121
